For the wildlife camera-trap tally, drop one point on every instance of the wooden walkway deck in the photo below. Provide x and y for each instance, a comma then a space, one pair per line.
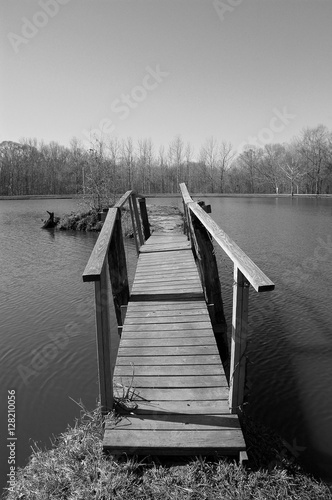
169, 362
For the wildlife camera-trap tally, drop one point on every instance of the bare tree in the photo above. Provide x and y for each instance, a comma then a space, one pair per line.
314, 147
226, 156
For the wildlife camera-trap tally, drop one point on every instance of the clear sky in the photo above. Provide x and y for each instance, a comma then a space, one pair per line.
161, 68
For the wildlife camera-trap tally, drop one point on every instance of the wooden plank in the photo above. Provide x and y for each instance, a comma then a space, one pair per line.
155, 319
179, 326
166, 342
162, 422
207, 407
174, 442
165, 240
169, 334
187, 394
166, 264
170, 278
164, 296
165, 243
167, 351
147, 313
169, 370
145, 249
161, 382
165, 289
166, 305
158, 275
176, 254
159, 360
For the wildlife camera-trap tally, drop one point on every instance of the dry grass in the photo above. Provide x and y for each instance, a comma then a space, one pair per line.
76, 468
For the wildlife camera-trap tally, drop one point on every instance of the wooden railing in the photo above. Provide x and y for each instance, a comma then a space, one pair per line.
246, 273
107, 267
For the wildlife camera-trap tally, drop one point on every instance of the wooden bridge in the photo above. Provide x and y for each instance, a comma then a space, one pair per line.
171, 393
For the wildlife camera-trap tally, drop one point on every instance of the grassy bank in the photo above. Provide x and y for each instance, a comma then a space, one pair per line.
76, 468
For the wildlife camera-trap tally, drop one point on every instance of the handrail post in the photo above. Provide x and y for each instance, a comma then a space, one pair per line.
138, 220
118, 269
239, 340
102, 302
145, 218
133, 223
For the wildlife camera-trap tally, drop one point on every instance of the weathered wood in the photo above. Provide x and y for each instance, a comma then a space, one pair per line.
96, 261
169, 327
189, 407
186, 394
118, 269
158, 360
138, 220
168, 342
239, 340
190, 422
133, 221
161, 382
123, 199
103, 326
167, 358
148, 313
167, 370
207, 264
167, 351
145, 218
162, 248
156, 305
175, 295
174, 442
156, 320
157, 334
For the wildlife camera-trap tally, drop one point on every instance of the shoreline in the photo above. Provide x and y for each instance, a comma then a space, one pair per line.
170, 195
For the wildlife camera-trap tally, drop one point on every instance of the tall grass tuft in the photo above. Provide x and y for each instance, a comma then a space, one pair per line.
76, 468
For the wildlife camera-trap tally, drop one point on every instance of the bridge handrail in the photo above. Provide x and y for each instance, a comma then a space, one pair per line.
255, 276
199, 226
107, 268
93, 269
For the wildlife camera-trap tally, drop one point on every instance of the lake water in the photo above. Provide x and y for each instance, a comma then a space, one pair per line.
47, 328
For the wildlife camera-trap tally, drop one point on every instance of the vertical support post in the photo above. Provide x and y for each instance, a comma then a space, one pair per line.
118, 269
102, 303
133, 224
138, 220
208, 269
145, 218
239, 340
185, 221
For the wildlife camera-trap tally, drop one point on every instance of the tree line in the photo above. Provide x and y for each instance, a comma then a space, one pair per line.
109, 166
